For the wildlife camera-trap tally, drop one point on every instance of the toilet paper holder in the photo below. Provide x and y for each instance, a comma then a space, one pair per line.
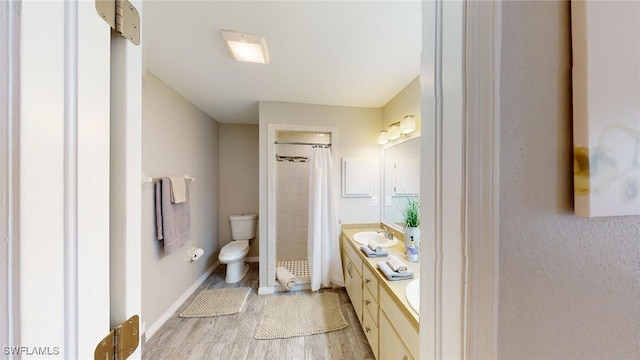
194, 254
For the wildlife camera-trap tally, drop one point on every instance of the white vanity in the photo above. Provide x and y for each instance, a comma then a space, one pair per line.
389, 322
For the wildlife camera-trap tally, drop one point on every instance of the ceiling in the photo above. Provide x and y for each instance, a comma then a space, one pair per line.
345, 53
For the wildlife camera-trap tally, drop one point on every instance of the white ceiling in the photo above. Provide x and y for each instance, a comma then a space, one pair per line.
348, 53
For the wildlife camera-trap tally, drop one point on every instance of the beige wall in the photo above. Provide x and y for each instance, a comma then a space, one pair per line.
177, 139
238, 169
406, 102
569, 286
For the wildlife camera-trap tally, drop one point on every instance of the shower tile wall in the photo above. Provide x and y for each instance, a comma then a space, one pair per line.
292, 198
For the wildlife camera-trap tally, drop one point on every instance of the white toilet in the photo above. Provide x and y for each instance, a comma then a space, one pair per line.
243, 229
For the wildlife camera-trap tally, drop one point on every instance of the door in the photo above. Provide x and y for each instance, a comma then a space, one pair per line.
59, 318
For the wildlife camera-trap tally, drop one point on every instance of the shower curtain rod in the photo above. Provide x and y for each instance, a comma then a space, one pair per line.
300, 143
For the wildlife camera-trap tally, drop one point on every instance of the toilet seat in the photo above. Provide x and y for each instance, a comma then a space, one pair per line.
234, 250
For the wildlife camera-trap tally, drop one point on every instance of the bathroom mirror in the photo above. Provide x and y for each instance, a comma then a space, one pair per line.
400, 178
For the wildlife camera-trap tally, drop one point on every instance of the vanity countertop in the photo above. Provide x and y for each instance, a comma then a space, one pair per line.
395, 288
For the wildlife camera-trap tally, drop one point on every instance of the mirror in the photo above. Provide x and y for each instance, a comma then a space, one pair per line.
400, 178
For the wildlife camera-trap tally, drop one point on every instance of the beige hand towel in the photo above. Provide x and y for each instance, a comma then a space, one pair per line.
285, 277
374, 247
178, 189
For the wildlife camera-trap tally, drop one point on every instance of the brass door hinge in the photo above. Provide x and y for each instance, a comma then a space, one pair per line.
122, 17
121, 341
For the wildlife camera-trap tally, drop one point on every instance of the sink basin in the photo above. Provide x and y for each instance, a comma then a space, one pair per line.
366, 237
413, 295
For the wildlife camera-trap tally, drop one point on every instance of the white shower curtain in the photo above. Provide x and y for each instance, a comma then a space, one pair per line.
325, 265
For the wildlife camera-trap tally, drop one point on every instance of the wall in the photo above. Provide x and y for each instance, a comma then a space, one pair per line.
406, 102
177, 139
357, 137
569, 287
238, 169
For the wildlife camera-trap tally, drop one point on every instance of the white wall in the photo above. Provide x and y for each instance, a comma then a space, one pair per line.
177, 139
569, 287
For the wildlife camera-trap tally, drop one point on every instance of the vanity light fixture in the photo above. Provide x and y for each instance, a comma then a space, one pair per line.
408, 124
246, 47
383, 138
394, 131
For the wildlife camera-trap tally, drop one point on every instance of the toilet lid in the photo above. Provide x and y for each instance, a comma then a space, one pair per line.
234, 247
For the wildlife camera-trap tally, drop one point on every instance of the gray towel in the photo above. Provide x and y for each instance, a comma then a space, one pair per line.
392, 275
371, 253
173, 221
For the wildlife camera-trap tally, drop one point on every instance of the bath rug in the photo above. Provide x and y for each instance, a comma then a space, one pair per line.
287, 316
214, 302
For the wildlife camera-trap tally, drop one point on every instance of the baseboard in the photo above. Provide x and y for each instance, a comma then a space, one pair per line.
176, 305
266, 290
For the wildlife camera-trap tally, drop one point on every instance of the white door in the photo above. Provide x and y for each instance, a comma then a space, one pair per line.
42, 185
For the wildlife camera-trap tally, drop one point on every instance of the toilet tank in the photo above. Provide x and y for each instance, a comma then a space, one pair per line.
243, 227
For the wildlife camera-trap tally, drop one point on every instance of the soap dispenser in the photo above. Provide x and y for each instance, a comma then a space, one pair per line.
412, 252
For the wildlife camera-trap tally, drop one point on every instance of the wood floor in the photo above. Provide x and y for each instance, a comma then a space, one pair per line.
231, 336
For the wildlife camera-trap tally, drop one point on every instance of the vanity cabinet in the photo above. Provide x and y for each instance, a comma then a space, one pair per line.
390, 331
394, 348
370, 308
401, 338
352, 268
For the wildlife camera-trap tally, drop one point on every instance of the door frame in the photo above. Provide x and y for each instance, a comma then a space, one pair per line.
9, 166
482, 181
460, 77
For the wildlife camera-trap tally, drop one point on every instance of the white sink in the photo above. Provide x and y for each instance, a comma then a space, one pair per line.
413, 295
366, 237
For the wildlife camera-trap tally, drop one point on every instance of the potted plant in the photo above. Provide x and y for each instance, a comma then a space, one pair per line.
411, 216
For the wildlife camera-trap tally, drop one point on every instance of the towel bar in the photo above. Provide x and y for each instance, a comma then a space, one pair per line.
150, 180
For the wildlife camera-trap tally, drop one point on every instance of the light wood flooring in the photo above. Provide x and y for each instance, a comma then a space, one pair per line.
231, 336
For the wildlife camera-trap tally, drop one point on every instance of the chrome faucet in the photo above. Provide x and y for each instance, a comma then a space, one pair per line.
387, 234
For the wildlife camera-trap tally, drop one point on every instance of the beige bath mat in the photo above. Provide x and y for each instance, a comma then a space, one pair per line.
214, 302
300, 315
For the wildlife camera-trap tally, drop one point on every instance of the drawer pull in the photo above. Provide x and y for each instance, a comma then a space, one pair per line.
349, 269
367, 281
367, 302
367, 329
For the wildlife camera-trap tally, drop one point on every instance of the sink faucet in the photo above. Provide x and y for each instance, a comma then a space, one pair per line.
387, 234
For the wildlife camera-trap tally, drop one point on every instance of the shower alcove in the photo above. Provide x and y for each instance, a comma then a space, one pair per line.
289, 152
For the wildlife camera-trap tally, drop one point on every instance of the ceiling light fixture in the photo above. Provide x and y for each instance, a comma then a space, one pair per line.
246, 47
408, 124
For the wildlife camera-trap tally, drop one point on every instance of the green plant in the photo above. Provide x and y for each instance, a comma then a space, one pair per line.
411, 213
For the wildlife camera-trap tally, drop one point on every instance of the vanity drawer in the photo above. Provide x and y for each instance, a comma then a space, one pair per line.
370, 282
371, 332
371, 304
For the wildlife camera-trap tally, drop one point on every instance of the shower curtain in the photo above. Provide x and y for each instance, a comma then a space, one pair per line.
325, 265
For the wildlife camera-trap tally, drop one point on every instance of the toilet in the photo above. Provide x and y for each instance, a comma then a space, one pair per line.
243, 229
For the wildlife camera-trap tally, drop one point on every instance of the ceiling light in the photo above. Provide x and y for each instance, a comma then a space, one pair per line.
383, 138
246, 47
408, 124
394, 131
